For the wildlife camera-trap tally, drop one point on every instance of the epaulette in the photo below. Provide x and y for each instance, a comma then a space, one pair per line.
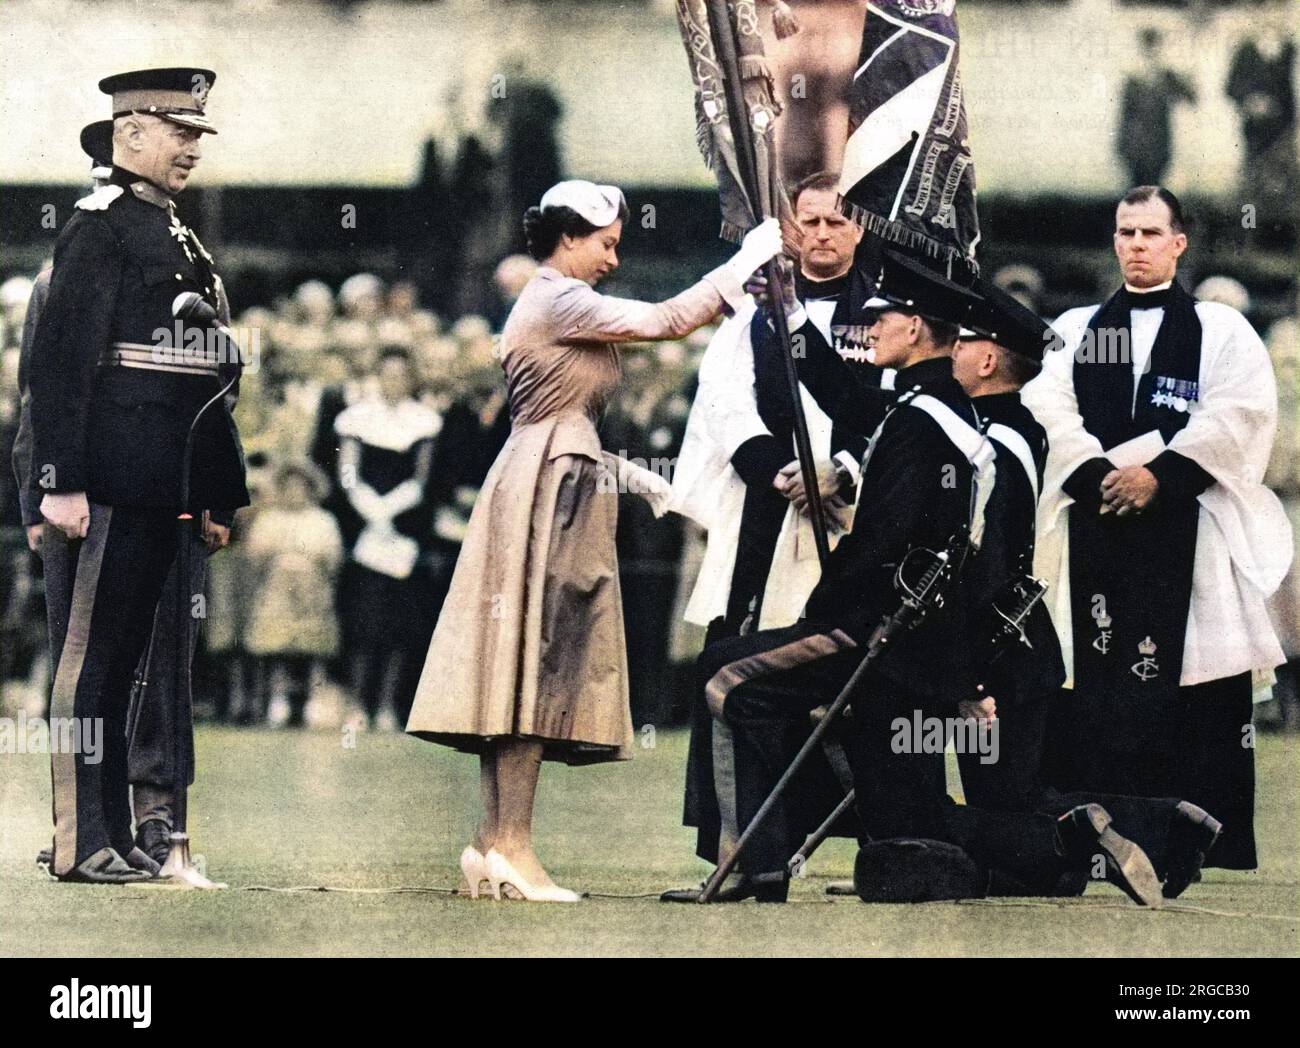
100, 198
151, 194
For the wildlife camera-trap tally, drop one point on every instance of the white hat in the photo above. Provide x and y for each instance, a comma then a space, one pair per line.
359, 286
599, 205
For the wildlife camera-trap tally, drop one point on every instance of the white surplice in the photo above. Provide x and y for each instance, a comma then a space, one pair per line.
1243, 539
707, 488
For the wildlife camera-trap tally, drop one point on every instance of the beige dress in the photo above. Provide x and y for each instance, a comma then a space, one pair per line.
530, 640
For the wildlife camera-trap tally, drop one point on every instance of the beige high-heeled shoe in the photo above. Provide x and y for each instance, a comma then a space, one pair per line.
501, 872
474, 866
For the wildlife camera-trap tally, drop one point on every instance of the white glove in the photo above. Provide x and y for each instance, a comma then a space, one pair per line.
637, 480
369, 504
761, 243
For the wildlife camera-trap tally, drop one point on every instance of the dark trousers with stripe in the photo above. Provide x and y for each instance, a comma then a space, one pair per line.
760, 527
760, 689
101, 594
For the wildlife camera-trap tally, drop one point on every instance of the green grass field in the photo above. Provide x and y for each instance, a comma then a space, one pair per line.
287, 810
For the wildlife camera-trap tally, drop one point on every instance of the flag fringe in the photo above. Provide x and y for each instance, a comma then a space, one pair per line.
753, 66
732, 233
704, 135
893, 231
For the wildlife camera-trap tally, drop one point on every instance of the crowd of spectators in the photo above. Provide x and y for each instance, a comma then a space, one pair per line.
369, 423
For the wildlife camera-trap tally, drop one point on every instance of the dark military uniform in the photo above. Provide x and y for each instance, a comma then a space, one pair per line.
924, 478
110, 413
852, 396
153, 702
29, 496
1025, 675
915, 490
157, 712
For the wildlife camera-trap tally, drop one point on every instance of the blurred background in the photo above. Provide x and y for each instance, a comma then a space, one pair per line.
363, 203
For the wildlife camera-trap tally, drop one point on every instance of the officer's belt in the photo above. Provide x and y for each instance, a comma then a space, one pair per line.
156, 358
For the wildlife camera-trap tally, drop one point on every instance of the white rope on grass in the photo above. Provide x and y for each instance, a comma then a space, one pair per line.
1069, 902
1168, 907
399, 890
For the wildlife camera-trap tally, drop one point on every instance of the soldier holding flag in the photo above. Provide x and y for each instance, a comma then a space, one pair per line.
735, 474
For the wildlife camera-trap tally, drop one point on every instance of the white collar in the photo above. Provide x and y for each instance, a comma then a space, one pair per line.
394, 427
1147, 290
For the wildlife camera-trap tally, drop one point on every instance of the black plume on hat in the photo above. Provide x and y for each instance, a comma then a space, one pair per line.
97, 142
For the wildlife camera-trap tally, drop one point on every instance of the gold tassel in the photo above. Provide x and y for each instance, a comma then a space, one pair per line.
783, 20
754, 66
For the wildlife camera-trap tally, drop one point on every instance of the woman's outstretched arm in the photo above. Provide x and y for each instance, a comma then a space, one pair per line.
583, 314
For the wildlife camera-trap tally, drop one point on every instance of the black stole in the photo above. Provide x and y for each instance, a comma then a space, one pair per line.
1103, 372
1131, 576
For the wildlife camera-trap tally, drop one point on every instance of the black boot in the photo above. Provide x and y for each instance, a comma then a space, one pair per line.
1191, 837
765, 887
1085, 832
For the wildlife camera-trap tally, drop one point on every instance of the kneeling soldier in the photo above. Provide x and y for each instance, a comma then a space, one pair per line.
1001, 349
926, 476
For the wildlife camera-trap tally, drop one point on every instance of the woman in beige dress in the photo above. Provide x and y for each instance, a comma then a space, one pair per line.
528, 661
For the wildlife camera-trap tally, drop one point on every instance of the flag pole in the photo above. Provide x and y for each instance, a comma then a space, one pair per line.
724, 45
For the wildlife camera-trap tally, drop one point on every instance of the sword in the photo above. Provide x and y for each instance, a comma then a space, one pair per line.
918, 599
1012, 608
180, 868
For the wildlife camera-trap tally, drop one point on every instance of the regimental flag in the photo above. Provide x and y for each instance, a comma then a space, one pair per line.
713, 132
908, 176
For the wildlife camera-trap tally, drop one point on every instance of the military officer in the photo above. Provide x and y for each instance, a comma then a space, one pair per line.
1000, 349
738, 461
112, 402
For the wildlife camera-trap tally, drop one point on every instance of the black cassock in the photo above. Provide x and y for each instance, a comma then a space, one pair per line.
1127, 726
